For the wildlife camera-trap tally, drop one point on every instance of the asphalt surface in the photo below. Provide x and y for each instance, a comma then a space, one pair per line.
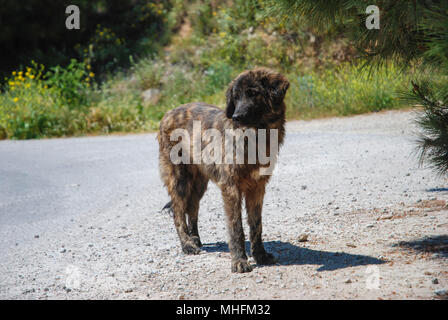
93, 204
48, 182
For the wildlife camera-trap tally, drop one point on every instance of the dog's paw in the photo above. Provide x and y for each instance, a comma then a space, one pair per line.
197, 241
241, 266
190, 248
265, 259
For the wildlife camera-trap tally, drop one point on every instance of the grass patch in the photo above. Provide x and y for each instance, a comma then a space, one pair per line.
345, 90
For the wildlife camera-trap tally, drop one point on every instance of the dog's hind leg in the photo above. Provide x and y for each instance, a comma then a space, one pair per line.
180, 190
198, 190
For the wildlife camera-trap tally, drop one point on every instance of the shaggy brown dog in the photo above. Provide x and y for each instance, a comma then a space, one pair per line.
254, 100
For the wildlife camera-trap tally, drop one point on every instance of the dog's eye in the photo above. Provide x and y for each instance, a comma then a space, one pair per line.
251, 93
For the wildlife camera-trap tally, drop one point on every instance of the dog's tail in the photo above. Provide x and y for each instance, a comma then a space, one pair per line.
168, 207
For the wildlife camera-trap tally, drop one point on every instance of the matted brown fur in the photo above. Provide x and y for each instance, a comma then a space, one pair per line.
254, 100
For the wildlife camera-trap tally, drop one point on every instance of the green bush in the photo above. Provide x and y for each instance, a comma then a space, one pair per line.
31, 107
72, 82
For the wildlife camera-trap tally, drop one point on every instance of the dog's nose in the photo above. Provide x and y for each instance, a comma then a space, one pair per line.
236, 117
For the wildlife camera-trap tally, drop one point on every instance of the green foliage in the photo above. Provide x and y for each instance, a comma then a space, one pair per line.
63, 102
35, 29
72, 82
344, 90
218, 76
432, 91
105, 50
433, 121
148, 73
411, 32
30, 108
399, 35
212, 42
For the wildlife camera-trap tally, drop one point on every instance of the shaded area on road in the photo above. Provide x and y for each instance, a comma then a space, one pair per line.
289, 254
433, 244
438, 190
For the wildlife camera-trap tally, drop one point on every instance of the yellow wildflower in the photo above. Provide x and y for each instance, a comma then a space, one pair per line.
91, 74
15, 99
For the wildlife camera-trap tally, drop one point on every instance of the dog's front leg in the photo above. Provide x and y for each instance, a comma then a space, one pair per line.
254, 205
232, 206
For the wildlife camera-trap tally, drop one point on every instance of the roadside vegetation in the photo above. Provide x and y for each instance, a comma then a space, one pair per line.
412, 33
102, 87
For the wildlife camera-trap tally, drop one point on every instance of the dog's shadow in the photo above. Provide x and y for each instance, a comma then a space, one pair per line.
289, 254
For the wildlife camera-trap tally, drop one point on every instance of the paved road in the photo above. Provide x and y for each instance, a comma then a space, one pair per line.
48, 182
94, 203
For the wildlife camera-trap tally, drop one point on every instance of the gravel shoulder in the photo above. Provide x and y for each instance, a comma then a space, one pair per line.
80, 219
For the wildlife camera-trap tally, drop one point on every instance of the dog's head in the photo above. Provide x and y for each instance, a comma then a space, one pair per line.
256, 96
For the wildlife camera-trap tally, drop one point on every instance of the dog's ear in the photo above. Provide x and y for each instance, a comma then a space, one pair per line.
278, 87
230, 109
275, 84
